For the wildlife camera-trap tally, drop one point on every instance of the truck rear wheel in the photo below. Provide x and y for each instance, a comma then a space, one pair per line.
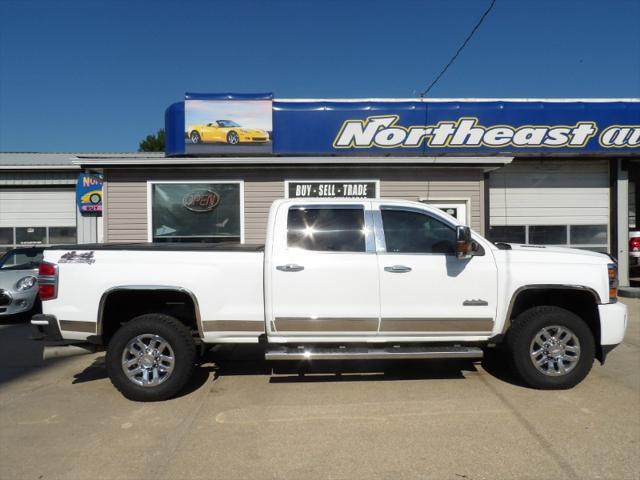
551, 348
151, 357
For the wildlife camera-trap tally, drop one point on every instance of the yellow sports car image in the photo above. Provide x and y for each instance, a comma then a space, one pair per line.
225, 131
94, 196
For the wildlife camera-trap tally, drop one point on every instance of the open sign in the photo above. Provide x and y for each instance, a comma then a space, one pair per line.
201, 200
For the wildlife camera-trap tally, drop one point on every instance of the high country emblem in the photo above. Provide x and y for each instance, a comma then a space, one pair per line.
74, 257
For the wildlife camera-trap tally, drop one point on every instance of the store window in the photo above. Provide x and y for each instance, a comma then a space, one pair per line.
196, 212
31, 236
508, 233
326, 229
588, 237
62, 235
12, 237
6, 239
548, 234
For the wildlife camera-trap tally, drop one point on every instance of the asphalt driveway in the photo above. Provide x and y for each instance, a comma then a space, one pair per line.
435, 419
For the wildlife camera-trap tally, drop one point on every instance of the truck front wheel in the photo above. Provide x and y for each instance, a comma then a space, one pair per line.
551, 348
151, 357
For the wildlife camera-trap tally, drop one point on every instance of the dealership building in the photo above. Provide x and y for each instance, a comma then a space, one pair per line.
546, 172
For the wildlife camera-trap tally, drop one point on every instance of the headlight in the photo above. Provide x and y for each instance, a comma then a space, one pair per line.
26, 283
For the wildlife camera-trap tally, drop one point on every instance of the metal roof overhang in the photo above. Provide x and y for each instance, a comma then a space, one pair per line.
40, 167
488, 162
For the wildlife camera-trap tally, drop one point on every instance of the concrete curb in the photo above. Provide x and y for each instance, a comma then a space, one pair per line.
629, 292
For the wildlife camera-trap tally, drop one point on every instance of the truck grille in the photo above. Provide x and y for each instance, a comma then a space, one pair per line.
5, 297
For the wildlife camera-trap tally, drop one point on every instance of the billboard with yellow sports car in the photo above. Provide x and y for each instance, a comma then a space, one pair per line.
229, 124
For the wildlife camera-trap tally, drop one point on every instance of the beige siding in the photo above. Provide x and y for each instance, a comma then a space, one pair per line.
126, 211
126, 191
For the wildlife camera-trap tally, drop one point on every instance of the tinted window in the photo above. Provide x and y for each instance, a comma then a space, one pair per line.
326, 229
62, 235
6, 236
548, 234
413, 232
588, 234
508, 234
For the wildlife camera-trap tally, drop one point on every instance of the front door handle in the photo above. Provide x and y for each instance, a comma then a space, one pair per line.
397, 269
290, 267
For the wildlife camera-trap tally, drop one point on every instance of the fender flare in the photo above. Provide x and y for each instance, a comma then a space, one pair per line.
541, 286
174, 288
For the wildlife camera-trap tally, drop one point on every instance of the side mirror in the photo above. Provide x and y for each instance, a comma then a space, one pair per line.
464, 244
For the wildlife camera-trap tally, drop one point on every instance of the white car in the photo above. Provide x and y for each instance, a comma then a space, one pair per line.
18, 280
337, 279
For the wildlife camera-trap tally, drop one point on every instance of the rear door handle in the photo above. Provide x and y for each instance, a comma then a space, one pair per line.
397, 269
290, 267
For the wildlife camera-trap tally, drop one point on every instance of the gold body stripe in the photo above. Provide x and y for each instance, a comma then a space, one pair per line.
76, 326
233, 326
338, 324
474, 325
305, 324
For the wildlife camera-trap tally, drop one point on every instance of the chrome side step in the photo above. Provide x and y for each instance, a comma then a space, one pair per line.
364, 353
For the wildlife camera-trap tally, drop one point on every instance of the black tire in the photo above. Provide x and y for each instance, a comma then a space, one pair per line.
95, 198
195, 137
233, 138
175, 333
519, 343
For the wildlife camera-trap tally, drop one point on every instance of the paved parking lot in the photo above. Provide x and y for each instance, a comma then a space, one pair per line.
451, 420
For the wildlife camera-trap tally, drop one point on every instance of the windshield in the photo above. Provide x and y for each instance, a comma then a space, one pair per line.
21, 260
226, 123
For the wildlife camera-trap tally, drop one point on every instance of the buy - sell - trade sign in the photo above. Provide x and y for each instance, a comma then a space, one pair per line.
89, 193
332, 189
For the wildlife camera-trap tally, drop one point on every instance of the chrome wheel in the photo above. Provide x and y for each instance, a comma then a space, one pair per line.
195, 137
233, 138
148, 360
555, 351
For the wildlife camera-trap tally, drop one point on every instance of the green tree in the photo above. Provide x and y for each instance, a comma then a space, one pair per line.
153, 143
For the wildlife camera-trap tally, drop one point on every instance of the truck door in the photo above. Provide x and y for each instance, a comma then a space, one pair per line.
324, 273
424, 289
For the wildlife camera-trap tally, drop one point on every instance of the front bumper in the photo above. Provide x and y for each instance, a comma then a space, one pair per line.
613, 325
20, 302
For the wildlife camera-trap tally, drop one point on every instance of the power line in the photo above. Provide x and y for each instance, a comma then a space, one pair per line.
464, 44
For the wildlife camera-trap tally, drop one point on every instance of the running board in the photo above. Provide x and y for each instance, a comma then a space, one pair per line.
387, 353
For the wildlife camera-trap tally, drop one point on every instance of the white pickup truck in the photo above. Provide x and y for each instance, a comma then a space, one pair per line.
337, 279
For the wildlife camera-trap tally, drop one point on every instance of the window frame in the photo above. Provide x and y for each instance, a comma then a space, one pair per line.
438, 202
381, 243
151, 183
369, 242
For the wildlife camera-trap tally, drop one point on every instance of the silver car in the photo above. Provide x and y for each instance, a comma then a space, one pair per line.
18, 280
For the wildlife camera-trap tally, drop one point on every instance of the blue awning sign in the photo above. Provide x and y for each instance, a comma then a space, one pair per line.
433, 127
